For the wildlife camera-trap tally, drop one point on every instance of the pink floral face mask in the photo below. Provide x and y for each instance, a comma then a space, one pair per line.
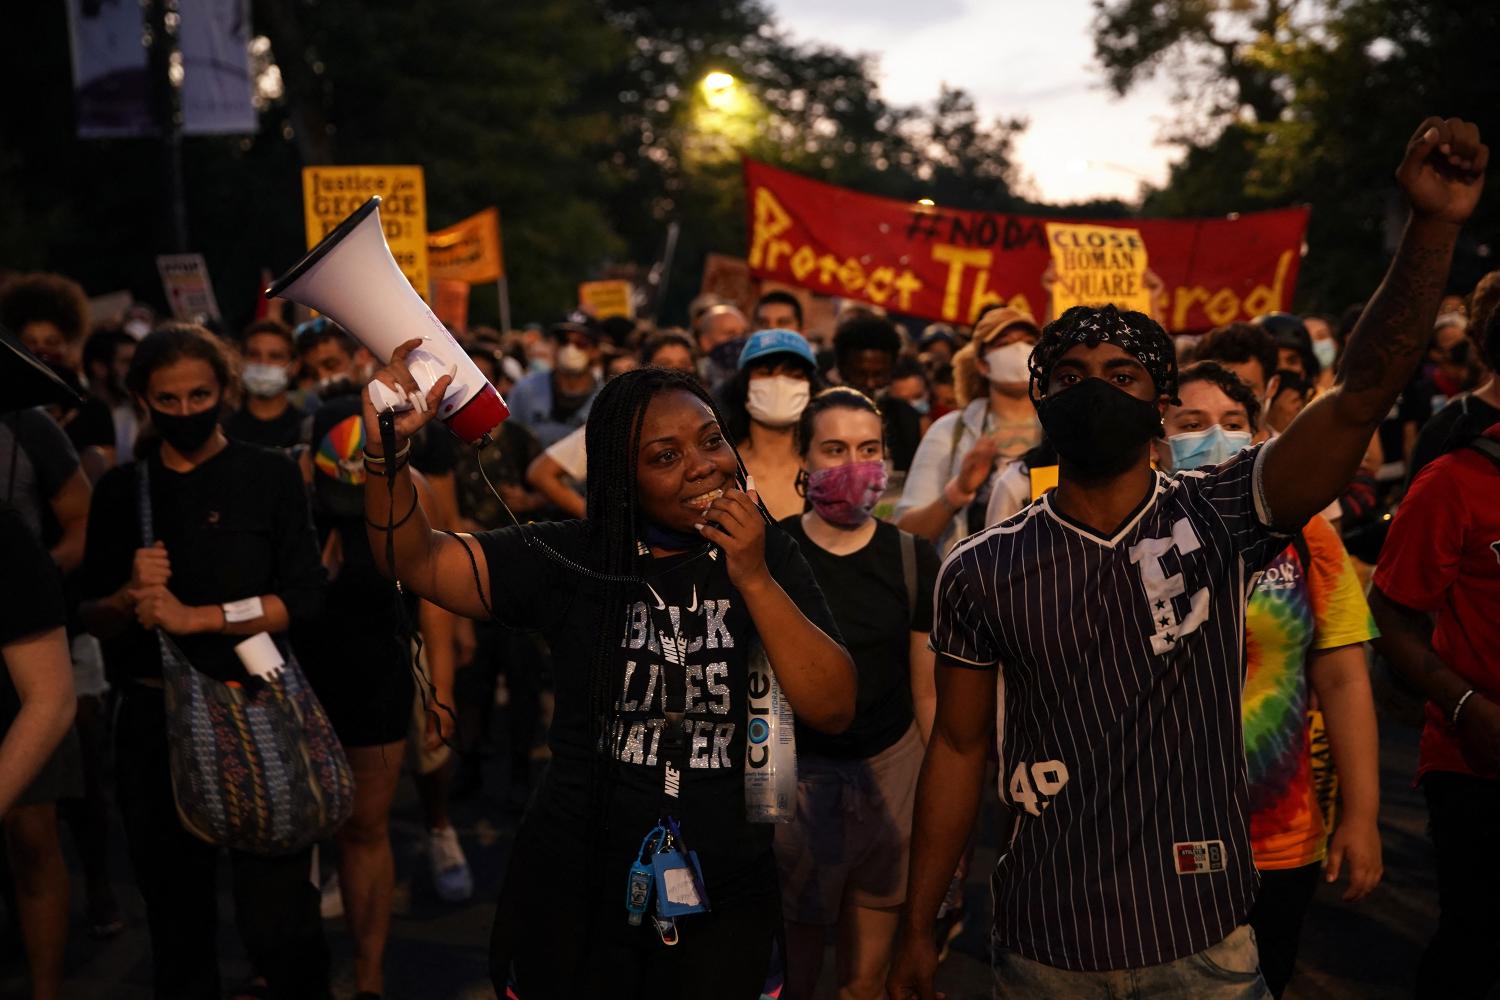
846, 494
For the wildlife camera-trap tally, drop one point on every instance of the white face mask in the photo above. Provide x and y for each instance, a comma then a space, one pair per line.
777, 401
265, 381
1326, 351
1009, 364
572, 359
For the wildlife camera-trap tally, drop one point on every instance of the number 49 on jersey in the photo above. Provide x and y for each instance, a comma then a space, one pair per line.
1032, 785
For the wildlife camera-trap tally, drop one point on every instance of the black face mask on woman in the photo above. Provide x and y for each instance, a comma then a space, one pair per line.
187, 433
1098, 430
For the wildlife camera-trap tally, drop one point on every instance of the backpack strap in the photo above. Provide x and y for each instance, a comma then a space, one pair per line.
1488, 447
143, 495
909, 571
958, 435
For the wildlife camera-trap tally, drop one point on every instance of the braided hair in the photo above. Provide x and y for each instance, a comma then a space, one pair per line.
612, 440
1132, 332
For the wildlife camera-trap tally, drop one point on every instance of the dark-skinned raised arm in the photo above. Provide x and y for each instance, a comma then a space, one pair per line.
1309, 465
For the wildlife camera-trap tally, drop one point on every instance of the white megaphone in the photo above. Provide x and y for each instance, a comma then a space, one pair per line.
352, 278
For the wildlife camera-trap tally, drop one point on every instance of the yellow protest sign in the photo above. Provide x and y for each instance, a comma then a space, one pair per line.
1043, 478
468, 250
604, 299
1097, 265
329, 194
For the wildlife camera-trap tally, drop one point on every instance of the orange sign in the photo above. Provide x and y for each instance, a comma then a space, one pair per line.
468, 250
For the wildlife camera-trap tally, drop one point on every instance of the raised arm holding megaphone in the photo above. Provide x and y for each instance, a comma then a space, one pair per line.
352, 278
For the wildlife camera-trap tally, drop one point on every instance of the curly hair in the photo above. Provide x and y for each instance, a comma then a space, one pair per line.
1227, 382
1134, 333
42, 297
1238, 343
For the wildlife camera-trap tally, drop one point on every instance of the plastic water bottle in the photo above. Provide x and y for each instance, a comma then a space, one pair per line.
770, 748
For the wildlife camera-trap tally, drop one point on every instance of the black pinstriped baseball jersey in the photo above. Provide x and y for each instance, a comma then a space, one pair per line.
1121, 665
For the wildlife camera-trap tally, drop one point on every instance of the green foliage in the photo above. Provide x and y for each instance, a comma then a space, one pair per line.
1353, 79
583, 120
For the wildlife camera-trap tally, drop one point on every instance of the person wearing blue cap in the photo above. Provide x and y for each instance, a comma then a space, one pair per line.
778, 373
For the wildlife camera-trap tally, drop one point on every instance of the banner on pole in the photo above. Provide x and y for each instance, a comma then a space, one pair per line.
947, 264
468, 250
606, 299
329, 194
190, 292
214, 36
110, 79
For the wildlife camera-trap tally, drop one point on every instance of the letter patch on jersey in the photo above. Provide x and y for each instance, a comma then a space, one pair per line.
1199, 857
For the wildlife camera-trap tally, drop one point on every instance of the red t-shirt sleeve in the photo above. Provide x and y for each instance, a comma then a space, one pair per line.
1419, 561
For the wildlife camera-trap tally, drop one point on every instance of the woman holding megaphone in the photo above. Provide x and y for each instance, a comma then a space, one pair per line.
635, 870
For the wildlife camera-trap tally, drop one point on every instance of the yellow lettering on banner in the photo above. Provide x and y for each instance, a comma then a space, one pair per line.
957, 258
1224, 306
330, 194
803, 261
907, 285
878, 288
1098, 265
852, 276
768, 252
1263, 299
770, 221
982, 296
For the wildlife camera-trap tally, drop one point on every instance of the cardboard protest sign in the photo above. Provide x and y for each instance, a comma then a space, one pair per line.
190, 292
1098, 265
606, 299
329, 194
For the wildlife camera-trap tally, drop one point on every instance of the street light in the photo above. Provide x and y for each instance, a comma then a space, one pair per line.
718, 89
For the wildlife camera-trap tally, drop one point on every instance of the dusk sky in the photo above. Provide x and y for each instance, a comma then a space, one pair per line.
1028, 58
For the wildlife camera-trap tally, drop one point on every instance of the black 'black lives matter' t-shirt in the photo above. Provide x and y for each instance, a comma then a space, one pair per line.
530, 590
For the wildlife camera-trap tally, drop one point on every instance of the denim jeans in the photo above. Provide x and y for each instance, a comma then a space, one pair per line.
1229, 970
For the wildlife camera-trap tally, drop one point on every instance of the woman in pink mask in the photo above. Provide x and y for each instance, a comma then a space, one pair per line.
842, 860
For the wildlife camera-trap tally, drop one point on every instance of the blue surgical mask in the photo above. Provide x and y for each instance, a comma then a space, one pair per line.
1326, 351
922, 406
1202, 449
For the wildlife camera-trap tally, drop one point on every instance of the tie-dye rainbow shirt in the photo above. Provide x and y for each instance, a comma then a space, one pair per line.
1292, 612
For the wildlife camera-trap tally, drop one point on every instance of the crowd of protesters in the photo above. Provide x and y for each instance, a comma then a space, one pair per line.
1134, 579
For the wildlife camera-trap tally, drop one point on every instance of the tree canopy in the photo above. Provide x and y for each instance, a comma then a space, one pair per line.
1313, 101
584, 120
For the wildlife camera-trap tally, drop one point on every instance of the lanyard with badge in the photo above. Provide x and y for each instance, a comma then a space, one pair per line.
665, 864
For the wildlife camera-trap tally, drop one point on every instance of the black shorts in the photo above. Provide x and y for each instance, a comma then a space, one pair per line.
368, 699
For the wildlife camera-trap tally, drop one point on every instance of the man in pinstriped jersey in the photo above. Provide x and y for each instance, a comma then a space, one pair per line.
1101, 630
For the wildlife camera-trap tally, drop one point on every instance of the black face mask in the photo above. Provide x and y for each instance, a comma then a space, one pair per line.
1098, 430
186, 434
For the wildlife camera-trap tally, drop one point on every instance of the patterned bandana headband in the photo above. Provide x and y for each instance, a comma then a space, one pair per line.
1134, 333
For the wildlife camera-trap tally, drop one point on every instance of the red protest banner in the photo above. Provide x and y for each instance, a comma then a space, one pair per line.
947, 264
